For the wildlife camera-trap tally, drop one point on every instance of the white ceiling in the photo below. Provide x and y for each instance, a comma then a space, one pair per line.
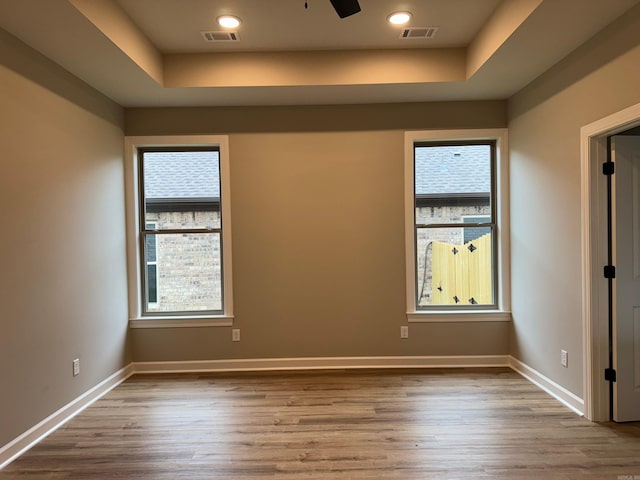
285, 25
151, 52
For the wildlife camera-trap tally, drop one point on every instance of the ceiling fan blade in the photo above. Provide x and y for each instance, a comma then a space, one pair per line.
345, 8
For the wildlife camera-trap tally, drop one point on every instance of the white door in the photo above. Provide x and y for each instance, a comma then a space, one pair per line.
626, 327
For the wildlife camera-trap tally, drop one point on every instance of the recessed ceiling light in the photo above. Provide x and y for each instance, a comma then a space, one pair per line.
228, 21
399, 18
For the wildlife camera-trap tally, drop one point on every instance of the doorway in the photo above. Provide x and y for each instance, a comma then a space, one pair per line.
595, 255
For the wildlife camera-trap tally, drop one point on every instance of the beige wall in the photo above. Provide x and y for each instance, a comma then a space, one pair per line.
599, 79
62, 248
318, 233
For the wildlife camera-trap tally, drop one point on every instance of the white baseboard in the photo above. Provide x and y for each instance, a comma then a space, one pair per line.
321, 363
24, 442
569, 399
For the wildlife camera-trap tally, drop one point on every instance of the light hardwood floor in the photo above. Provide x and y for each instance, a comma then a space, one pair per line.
417, 424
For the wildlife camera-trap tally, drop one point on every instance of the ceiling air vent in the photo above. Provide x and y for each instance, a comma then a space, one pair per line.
419, 32
220, 36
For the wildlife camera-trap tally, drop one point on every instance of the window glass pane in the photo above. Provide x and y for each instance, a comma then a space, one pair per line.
152, 284
452, 271
189, 274
182, 189
472, 233
452, 182
150, 240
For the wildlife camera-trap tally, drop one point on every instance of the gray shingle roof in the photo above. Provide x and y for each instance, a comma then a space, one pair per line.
182, 175
441, 170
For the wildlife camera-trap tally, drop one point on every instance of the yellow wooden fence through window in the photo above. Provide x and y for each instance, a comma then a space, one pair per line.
462, 273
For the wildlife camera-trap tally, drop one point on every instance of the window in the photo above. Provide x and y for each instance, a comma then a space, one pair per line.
453, 188
455, 222
180, 204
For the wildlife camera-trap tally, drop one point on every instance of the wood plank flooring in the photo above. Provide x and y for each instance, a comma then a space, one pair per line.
411, 424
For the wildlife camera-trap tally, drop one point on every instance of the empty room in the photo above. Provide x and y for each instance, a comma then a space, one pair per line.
320, 239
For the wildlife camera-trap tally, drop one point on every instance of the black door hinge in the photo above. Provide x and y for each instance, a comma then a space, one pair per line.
609, 271
608, 168
610, 375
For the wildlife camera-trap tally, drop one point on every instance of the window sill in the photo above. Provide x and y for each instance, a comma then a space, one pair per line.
443, 316
181, 322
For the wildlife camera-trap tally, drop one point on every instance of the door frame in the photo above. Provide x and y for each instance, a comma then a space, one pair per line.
595, 333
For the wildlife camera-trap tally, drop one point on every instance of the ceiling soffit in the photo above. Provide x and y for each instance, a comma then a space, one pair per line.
307, 68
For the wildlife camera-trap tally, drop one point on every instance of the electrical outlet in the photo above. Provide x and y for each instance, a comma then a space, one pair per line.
235, 335
76, 367
404, 331
564, 358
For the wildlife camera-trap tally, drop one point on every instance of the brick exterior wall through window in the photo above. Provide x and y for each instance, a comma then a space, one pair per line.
188, 265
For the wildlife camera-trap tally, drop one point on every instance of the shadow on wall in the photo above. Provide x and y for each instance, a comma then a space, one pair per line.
615, 40
316, 118
20, 58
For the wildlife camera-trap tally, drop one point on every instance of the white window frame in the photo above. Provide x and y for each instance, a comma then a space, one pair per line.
502, 313
134, 254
